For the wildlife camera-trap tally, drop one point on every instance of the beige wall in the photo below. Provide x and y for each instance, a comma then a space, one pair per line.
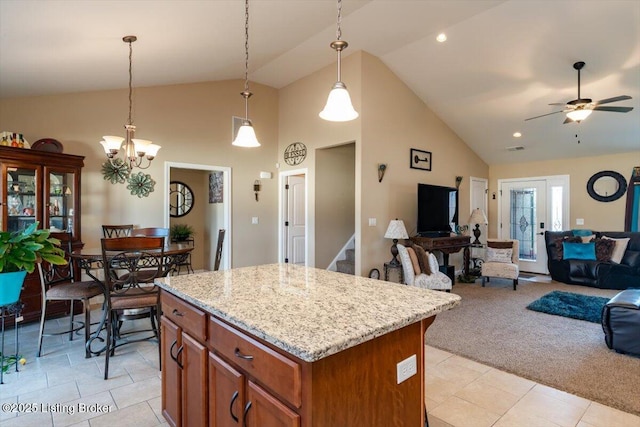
197, 216
597, 215
392, 121
335, 188
192, 123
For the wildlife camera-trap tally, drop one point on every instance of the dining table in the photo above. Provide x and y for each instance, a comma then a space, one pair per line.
90, 260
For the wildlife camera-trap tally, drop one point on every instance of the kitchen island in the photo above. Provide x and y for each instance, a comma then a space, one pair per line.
284, 345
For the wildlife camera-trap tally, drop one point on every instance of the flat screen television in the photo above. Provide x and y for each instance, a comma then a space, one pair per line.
437, 210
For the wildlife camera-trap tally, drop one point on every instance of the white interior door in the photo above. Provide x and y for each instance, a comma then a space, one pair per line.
295, 224
523, 213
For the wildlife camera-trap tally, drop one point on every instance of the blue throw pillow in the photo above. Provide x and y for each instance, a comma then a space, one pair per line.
586, 251
582, 232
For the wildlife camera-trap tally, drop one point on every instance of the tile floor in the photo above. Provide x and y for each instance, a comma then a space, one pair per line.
62, 388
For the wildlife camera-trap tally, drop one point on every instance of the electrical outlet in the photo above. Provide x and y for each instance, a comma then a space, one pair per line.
372, 222
407, 368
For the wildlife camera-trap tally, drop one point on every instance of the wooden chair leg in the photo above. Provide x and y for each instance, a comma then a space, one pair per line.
515, 283
483, 280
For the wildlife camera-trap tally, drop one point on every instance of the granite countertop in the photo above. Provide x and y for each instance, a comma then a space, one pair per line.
307, 312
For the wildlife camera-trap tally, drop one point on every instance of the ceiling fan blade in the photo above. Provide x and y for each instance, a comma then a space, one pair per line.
614, 99
614, 109
558, 103
548, 114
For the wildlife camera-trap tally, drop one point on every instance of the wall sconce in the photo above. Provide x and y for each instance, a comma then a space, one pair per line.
382, 168
458, 181
256, 188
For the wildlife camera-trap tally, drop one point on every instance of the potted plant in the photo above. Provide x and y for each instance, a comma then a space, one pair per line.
19, 252
181, 232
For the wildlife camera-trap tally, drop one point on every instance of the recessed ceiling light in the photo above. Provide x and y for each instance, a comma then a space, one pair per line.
442, 37
517, 135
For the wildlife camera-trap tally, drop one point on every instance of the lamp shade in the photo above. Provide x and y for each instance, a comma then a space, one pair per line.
339, 107
246, 136
396, 230
478, 217
578, 115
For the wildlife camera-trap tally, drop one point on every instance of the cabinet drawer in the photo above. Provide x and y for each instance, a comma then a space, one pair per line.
269, 368
185, 315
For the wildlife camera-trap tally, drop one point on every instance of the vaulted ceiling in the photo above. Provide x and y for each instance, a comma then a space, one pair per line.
503, 62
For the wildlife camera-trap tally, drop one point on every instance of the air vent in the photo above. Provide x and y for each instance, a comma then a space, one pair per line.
515, 148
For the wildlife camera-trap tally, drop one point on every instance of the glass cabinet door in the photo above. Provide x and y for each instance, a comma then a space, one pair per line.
19, 198
60, 192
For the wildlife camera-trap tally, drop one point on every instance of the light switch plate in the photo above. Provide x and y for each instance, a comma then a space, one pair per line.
372, 222
254, 220
579, 221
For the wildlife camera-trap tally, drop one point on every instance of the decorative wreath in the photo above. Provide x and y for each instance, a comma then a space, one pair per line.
115, 172
140, 184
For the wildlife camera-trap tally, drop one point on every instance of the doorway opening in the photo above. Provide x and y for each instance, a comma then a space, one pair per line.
211, 211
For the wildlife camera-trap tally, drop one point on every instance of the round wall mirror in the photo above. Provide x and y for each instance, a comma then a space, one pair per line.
606, 186
180, 199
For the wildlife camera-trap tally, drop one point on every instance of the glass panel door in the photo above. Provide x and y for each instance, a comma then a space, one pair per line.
20, 197
61, 188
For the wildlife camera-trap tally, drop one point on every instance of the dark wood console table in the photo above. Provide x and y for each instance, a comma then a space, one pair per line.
447, 245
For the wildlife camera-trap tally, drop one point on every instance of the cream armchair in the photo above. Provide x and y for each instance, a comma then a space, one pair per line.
437, 280
497, 263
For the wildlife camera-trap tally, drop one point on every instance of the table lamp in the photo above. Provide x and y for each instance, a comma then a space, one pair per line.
477, 217
395, 231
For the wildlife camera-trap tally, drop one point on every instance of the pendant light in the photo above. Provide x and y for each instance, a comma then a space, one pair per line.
246, 136
134, 149
339, 107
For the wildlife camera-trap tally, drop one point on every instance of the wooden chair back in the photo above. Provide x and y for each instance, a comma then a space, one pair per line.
110, 231
151, 232
221, 234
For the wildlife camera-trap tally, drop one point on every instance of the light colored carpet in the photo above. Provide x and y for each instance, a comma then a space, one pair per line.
492, 326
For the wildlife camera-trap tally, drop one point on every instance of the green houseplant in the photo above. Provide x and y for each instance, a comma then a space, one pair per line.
19, 252
181, 232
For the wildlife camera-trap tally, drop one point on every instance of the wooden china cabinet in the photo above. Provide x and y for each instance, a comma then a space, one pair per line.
40, 186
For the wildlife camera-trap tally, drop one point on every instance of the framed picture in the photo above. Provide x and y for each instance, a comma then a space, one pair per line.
215, 187
420, 159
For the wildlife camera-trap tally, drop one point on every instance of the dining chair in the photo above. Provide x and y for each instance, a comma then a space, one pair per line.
151, 232
110, 231
58, 283
131, 264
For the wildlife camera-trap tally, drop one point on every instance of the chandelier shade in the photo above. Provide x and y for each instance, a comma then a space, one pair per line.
135, 150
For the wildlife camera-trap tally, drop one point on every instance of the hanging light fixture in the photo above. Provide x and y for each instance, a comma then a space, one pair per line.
246, 136
339, 107
135, 150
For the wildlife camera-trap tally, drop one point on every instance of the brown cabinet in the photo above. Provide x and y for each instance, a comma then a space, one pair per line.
44, 187
248, 382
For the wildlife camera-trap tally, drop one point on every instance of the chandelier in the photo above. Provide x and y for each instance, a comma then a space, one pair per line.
135, 150
246, 136
339, 107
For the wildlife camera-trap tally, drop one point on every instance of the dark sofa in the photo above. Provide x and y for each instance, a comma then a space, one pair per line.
598, 274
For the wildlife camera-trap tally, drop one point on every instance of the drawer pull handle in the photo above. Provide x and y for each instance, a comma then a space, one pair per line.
175, 312
243, 356
246, 413
233, 399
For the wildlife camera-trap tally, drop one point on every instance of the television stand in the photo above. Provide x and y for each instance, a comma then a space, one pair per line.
447, 245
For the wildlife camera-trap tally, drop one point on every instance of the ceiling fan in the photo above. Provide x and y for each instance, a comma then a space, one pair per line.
579, 109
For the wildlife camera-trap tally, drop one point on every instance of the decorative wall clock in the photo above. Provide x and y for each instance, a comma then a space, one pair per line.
180, 199
295, 153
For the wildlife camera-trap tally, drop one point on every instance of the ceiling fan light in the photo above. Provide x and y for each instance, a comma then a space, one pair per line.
246, 136
578, 115
339, 107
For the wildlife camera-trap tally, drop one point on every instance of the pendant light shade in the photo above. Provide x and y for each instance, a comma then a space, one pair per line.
339, 107
246, 136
